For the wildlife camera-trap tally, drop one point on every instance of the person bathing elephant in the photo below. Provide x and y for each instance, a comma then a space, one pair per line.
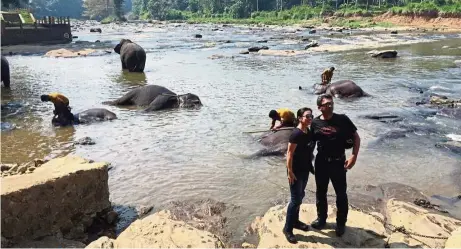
63, 115
5, 72
156, 97
132, 56
339, 89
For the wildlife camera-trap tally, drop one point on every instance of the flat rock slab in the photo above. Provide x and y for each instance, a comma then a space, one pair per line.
363, 230
282, 52
61, 196
66, 53
159, 230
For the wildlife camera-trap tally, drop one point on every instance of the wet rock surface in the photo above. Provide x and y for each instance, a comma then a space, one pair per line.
85, 141
383, 54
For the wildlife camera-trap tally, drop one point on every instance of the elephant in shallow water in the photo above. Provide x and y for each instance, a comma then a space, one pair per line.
157, 98
340, 89
275, 143
5, 72
132, 56
89, 116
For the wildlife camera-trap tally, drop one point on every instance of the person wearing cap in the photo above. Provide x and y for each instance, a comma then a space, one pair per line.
284, 115
327, 75
61, 108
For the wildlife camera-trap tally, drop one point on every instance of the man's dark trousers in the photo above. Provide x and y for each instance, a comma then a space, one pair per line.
326, 169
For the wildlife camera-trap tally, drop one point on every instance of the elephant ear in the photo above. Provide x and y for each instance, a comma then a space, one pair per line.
161, 102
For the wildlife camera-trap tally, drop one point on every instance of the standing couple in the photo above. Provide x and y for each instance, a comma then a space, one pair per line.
331, 132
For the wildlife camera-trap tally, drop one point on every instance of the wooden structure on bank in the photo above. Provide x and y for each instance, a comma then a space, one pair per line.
48, 29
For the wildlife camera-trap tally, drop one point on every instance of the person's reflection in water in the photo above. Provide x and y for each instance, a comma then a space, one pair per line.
62, 143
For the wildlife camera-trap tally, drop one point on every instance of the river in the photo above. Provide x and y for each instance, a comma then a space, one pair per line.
195, 154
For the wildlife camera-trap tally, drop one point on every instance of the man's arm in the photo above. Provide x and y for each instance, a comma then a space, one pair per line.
356, 148
272, 125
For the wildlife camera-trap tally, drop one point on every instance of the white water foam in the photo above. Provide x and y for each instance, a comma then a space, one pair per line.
454, 137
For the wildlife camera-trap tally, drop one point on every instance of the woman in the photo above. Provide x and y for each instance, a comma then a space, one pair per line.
299, 164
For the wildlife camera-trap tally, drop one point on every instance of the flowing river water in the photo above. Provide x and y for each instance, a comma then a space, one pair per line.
195, 154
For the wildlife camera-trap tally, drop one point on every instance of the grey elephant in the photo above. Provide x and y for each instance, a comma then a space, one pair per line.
132, 56
87, 116
275, 143
5, 72
340, 89
156, 97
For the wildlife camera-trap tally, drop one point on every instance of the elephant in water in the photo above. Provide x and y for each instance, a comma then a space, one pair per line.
132, 56
157, 98
340, 89
276, 143
5, 72
89, 116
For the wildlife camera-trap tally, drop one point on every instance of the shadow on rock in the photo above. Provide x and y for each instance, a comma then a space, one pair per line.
209, 215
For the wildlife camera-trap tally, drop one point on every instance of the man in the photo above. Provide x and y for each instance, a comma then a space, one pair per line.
284, 115
61, 108
327, 75
331, 131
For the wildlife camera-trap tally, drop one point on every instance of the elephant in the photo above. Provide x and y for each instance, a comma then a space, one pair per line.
132, 56
276, 143
340, 89
156, 98
89, 116
5, 72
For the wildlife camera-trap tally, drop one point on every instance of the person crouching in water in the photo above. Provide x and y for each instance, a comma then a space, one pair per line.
327, 75
299, 164
284, 115
61, 109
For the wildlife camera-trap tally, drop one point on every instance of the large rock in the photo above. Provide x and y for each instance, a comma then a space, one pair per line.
383, 53
455, 239
420, 221
363, 229
60, 197
66, 53
159, 230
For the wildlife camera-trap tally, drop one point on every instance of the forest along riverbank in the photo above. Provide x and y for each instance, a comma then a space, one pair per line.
237, 91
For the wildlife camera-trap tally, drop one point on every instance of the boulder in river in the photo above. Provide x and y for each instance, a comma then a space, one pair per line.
312, 44
98, 30
256, 49
383, 53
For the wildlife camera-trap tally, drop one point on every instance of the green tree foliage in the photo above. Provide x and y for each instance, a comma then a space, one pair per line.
283, 9
71, 8
99, 9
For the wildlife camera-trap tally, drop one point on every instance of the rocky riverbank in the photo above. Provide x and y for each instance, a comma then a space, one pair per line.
403, 225
334, 38
66, 202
